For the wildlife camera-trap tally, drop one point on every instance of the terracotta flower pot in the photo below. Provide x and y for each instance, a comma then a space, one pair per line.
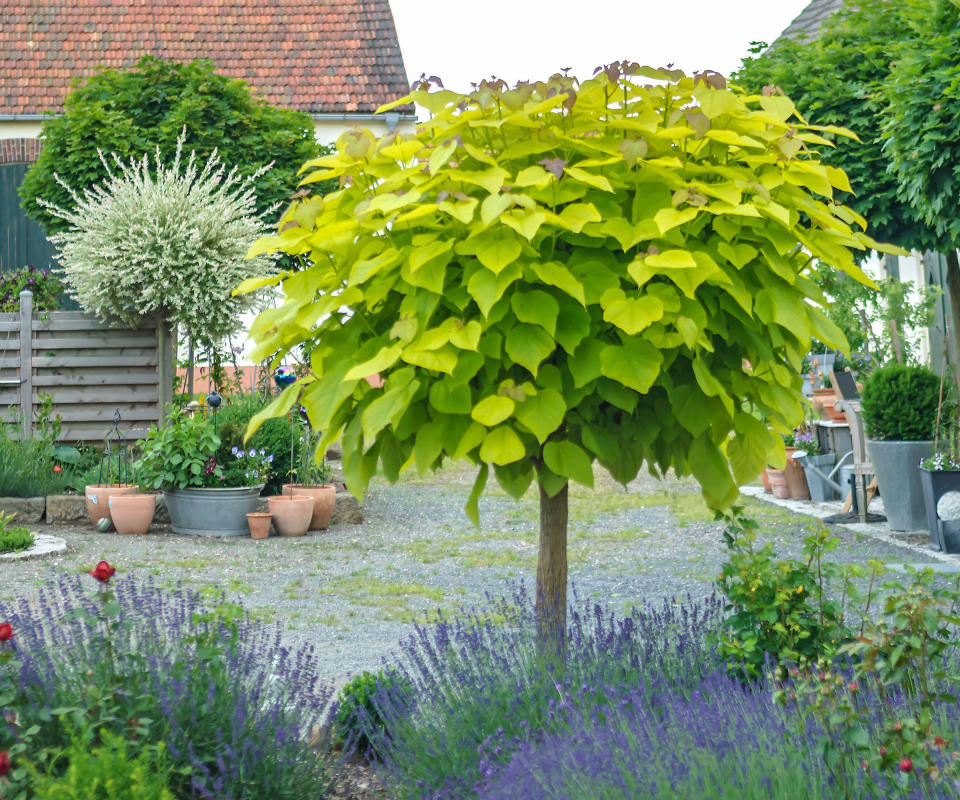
324, 501
132, 513
765, 479
291, 513
259, 522
778, 483
97, 496
796, 478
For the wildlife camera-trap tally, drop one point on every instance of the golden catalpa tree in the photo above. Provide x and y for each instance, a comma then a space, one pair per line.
562, 274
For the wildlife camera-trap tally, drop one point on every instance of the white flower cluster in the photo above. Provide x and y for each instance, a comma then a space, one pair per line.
168, 245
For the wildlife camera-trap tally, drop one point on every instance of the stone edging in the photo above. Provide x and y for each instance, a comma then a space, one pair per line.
43, 545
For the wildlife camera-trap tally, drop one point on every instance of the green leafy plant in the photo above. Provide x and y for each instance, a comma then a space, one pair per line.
13, 540
779, 609
103, 766
274, 436
45, 286
134, 111
561, 273
358, 723
179, 454
900, 658
900, 403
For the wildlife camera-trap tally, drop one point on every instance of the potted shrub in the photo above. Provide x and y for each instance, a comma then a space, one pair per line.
899, 414
313, 479
204, 497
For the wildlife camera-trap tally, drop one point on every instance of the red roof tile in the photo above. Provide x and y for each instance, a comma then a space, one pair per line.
321, 56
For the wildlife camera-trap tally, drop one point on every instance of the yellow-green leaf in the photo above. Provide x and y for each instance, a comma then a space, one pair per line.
502, 446
542, 413
570, 460
493, 410
386, 357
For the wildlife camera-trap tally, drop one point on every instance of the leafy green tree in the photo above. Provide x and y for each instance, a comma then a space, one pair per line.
838, 78
562, 273
132, 112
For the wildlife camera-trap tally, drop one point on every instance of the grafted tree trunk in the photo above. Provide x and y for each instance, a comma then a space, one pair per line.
552, 566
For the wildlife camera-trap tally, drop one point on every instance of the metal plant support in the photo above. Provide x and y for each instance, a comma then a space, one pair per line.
115, 446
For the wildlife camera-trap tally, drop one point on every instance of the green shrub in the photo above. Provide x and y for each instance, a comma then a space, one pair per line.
777, 607
13, 540
273, 436
900, 403
358, 722
46, 288
105, 772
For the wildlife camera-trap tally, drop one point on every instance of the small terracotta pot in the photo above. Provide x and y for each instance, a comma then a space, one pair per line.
796, 477
324, 501
132, 513
259, 523
778, 483
291, 513
97, 496
765, 479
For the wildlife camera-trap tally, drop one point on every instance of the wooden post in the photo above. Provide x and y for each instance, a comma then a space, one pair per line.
26, 362
165, 359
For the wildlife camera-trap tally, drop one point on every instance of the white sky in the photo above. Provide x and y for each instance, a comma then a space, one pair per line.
463, 41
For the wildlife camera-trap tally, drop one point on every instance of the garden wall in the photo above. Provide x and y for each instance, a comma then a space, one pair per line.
89, 369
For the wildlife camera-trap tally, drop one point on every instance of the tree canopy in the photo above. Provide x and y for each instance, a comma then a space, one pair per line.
134, 111
841, 77
563, 273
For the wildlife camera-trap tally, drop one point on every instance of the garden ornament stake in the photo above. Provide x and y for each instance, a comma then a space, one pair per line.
213, 401
115, 446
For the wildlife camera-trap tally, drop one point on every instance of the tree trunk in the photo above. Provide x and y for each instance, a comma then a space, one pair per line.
552, 566
952, 331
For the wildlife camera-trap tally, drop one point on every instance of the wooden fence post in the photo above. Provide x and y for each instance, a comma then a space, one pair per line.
26, 362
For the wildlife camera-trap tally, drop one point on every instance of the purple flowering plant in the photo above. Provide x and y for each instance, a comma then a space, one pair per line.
233, 708
247, 467
808, 442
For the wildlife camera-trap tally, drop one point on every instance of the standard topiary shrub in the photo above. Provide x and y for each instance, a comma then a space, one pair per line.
273, 436
900, 403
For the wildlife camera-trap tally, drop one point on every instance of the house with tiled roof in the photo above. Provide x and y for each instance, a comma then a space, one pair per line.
337, 61
809, 21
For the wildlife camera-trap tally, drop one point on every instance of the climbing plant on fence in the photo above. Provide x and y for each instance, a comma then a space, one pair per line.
562, 273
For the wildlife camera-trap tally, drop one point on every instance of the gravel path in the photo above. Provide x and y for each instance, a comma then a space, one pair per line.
354, 590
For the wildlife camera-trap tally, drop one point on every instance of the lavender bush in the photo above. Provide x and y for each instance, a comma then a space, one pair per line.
644, 707
234, 707
482, 686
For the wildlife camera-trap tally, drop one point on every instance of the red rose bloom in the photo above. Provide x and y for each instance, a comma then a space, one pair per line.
103, 572
906, 765
4, 763
58, 469
6, 632
939, 741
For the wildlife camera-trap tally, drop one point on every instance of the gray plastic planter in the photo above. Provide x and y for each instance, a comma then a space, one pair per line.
895, 464
212, 512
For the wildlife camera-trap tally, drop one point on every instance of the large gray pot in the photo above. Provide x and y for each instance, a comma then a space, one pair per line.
212, 512
895, 464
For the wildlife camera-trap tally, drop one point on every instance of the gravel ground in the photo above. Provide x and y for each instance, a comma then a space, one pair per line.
353, 591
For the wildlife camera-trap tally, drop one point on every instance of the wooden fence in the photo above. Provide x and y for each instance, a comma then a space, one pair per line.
89, 369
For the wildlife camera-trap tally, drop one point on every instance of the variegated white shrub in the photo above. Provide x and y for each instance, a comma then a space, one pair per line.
167, 243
